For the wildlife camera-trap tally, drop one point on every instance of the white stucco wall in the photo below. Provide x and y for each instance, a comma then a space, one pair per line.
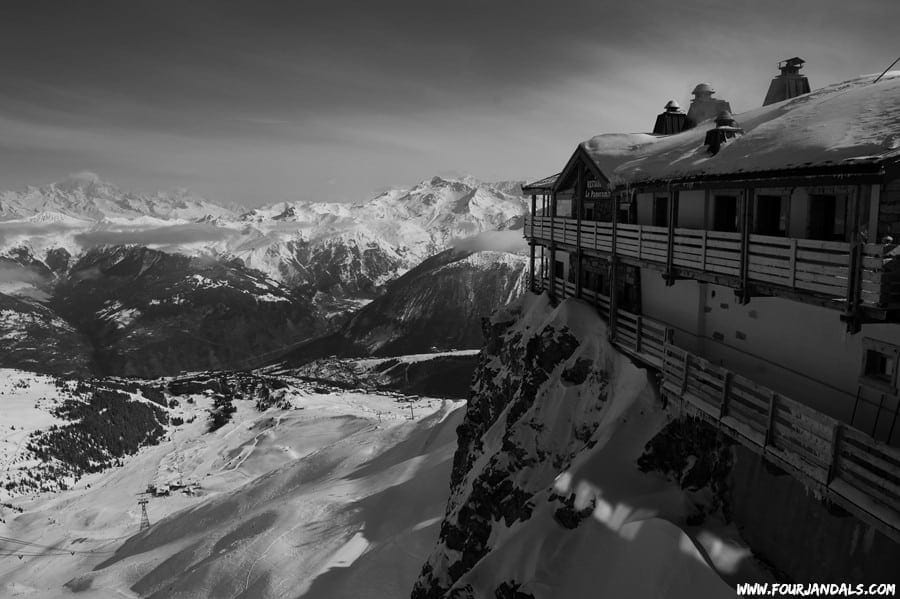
798, 349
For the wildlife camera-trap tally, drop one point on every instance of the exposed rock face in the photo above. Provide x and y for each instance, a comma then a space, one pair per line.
437, 306
33, 337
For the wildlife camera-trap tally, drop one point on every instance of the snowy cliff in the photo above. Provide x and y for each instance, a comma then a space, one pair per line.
547, 495
572, 478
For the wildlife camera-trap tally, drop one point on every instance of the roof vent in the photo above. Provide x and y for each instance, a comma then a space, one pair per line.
671, 121
704, 106
789, 84
726, 128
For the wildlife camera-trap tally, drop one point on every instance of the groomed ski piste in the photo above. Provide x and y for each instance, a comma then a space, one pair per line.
308, 501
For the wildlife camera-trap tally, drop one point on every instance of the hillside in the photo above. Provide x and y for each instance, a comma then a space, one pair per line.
328, 494
437, 306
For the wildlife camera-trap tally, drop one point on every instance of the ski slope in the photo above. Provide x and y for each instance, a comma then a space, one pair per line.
289, 503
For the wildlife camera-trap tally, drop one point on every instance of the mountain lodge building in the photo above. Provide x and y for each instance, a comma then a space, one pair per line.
751, 259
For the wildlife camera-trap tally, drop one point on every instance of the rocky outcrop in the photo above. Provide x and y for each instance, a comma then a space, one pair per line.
437, 306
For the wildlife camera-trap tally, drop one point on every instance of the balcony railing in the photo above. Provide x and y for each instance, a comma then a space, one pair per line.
855, 468
847, 465
880, 279
806, 265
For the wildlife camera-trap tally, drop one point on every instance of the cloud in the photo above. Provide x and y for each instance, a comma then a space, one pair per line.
10, 231
171, 235
86, 176
19, 274
510, 240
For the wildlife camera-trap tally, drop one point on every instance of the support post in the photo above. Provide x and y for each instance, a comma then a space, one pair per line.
670, 245
744, 291
579, 209
615, 226
726, 392
531, 281
613, 296
551, 272
533, 213
770, 426
854, 278
833, 465
638, 334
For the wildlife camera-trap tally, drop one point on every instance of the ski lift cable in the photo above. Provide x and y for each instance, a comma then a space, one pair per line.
34, 546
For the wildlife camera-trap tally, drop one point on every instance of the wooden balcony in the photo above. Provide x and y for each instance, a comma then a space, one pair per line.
831, 457
880, 278
804, 267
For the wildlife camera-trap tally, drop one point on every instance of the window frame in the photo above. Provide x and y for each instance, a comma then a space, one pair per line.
890, 353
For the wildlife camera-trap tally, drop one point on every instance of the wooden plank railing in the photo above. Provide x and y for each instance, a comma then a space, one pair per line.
858, 471
880, 276
710, 251
643, 242
642, 337
822, 267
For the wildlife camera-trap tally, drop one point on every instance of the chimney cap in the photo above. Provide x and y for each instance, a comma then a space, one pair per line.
725, 119
672, 106
791, 62
703, 88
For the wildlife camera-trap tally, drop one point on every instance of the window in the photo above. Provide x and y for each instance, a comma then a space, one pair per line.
879, 364
559, 269
660, 211
725, 214
827, 217
591, 280
627, 213
771, 215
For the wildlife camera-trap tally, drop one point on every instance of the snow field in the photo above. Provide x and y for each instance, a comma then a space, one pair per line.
287, 499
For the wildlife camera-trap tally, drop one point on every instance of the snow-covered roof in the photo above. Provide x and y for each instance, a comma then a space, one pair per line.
851, 123
545, 184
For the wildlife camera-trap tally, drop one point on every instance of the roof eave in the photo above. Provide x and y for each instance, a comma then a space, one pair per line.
870, 171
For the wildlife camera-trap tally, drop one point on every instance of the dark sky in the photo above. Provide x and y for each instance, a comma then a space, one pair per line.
257, 101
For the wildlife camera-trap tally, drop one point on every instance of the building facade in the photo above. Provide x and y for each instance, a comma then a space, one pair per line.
758, 276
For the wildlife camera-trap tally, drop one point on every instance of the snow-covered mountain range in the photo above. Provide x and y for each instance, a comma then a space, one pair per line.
342, 250
152, 285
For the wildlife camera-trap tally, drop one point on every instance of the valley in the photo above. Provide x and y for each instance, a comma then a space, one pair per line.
278, 498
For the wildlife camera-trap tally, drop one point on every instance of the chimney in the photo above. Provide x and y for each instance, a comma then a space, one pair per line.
671, 121
789, 84
704, 106
726, 128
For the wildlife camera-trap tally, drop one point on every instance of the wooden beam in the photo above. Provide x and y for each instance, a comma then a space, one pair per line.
874, 213
579, 208
726, 391
746, 215
670, 249
531, 284
613, 296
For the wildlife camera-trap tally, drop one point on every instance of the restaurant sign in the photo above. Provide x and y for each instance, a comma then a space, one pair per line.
596, 190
